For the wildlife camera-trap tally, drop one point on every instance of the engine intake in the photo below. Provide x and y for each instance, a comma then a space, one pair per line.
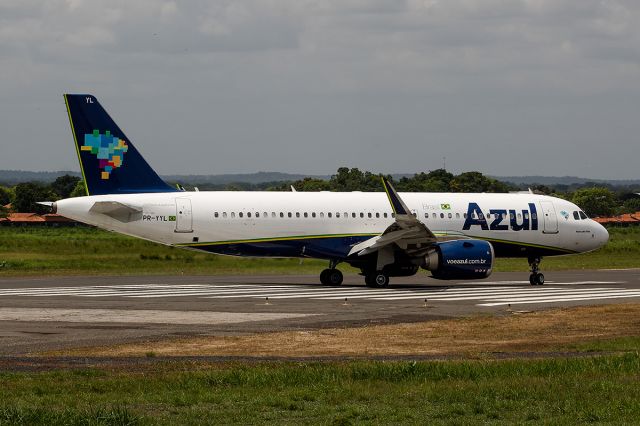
460, 260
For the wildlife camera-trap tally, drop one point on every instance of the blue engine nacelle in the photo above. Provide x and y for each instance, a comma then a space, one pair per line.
460, 260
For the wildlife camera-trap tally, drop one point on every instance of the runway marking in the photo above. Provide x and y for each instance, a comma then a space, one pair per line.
138, 316
496, 293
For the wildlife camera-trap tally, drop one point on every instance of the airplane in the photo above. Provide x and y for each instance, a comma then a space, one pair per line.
454, 236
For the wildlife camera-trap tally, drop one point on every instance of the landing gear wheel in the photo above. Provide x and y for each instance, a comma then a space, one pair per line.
369, 280
324, 276
376, 280
331, 277
536, 278
335, 277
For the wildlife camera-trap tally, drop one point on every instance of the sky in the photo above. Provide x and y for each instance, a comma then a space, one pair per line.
505, 87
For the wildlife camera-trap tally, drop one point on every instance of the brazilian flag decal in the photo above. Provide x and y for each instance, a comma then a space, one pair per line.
445, 206
172, 218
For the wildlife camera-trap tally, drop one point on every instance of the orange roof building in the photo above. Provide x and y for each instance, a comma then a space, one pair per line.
35, 219
623, 219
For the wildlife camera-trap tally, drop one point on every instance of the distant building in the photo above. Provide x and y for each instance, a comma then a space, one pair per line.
628, 219
34, 219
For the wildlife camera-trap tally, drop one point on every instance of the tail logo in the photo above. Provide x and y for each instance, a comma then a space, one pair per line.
109, 149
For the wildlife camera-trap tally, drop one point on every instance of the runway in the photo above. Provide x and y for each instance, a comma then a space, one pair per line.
39, 314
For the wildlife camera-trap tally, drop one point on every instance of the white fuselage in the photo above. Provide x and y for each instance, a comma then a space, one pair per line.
231, 220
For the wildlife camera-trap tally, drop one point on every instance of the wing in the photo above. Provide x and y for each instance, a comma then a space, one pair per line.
407, 232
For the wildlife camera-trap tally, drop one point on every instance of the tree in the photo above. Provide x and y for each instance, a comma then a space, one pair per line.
632, 205
6, 196
79, 190
435, 181
4, 212
595, 201
27, 194
477, 182
65, 185
311, 184
354, 180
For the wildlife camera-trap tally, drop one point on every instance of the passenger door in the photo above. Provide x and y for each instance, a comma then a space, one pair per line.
184, 217
550, 218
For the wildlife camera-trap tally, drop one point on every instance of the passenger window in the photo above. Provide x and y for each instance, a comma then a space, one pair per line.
273, 214
393, 215
583, 215
526, 215
215, 214
464, 215
369, 215
233, 214
281, 214
457, 215
346, 215
313, 214
353, 215
377, 215
441, 215
519, 215
289, 214
297, 214
224, 214
534, 216
337, 214
450, 215
426, 215
249, 214
361, 214
305, 214
329, 214
385, 214
321, 214
257, 214
240, 214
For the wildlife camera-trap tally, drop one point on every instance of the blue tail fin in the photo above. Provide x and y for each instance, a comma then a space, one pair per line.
109, 162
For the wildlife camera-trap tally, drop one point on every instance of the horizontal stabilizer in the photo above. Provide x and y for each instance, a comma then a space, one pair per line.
117, 210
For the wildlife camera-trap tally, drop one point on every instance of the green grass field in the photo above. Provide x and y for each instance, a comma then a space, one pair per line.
601, 389
85, 251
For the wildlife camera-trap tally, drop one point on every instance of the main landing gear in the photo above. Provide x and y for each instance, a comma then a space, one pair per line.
536, 278
331, 275
376, 279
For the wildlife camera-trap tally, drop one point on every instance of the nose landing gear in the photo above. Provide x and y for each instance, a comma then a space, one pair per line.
536, 278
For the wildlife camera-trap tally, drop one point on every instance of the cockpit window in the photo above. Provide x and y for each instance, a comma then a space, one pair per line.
576, 216
583, 215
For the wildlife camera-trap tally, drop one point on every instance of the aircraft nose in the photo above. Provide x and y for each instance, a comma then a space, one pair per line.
601, 235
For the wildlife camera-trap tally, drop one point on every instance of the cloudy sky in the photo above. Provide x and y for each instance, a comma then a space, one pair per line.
506, 87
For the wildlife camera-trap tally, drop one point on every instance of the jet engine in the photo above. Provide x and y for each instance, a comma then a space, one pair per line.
460, 260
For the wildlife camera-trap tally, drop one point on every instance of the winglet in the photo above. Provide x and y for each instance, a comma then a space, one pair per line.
398, 206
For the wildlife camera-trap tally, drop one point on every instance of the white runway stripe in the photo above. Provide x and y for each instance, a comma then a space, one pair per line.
574, 299
485, 295
497, 293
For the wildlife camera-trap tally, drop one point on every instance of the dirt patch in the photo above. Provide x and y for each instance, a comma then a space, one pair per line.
527, 332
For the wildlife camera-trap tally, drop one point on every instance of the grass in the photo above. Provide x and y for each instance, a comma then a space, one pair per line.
86, 251
560, 391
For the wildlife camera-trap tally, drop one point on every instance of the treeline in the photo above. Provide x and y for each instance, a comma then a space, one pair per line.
595, 200
23, 197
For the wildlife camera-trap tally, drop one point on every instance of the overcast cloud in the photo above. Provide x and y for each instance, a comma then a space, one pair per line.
505, 87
